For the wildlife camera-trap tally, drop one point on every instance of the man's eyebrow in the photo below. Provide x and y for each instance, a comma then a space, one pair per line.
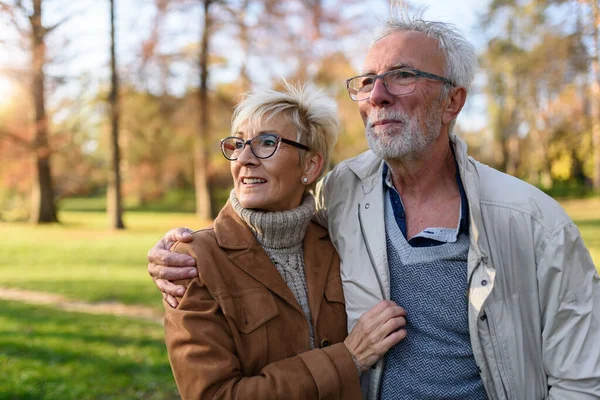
402, 65
397, 66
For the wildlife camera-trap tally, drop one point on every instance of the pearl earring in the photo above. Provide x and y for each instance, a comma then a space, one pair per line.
305, 180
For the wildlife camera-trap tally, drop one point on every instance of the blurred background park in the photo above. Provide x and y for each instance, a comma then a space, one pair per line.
110, 116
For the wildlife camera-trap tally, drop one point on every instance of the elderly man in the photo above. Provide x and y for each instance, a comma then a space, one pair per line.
501, 296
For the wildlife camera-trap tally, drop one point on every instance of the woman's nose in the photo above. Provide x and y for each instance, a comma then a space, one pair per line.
246, 156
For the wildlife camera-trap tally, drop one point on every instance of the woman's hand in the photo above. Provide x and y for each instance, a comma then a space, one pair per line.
375, 333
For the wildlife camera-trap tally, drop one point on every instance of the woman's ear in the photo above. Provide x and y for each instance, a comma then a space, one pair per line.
312, 168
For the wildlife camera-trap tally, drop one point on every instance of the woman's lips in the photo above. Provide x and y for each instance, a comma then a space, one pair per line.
253, 180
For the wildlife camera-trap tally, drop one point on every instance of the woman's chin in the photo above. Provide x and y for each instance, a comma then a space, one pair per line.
252, 203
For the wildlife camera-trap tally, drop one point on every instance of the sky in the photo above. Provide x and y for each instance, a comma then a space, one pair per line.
90, 55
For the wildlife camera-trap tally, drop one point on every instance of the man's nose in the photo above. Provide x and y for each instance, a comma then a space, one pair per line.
380, 96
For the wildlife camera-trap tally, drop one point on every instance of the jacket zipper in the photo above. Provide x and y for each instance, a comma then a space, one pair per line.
375, 374
362, 231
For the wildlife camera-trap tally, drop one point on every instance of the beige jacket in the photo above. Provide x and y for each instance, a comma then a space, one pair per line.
534, 293
239, 332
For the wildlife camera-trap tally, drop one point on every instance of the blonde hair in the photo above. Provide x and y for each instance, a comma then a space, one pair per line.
306, 107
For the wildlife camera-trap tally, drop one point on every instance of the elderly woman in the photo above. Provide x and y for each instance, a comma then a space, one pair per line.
265, 317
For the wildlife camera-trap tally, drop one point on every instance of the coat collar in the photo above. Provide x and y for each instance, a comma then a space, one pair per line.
234, 236
469, 174
368, 168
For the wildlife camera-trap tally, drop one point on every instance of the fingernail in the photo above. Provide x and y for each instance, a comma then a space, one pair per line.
180, 292
186, 233
171, 303
191, 263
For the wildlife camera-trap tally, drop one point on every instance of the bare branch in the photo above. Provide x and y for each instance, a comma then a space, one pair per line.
72, 15
10, 10
24, 143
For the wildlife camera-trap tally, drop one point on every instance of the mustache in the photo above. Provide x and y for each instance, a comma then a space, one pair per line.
376, 116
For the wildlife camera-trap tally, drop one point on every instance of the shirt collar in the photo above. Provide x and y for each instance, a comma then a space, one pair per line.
434, 234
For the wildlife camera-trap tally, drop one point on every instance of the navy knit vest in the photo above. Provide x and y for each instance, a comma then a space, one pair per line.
435, 360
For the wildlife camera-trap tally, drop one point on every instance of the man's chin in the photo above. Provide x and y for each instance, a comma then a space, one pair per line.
393, 151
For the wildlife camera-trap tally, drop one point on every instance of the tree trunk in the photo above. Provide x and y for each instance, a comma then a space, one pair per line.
43, 205
244, 38
203, 206
114, 197
512, 149
595, 109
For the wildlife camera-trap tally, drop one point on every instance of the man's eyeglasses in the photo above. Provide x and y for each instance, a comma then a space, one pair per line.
398, 82
262, 146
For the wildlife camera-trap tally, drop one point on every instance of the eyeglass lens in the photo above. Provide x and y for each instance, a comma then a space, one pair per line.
397, 82
263, 146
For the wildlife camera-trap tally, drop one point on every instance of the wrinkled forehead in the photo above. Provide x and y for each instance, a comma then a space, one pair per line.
405, 49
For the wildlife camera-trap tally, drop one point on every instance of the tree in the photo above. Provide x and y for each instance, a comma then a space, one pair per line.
114, 197
533, 66
203, 205
43, 205
26, 17
595, 109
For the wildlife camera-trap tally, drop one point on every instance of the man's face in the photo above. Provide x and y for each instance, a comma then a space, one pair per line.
403, 126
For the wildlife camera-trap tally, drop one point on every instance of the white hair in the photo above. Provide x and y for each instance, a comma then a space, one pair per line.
461, 57
308, 108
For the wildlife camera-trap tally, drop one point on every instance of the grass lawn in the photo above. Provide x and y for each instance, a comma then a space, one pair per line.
586, 214
83, 260
50, 354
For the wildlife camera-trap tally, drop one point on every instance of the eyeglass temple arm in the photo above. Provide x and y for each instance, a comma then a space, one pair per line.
434, 76
296, 144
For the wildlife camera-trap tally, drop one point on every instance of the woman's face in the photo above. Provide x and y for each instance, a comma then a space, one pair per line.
269, 184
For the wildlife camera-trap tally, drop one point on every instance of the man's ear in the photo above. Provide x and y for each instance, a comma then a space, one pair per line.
313, 167
454, 104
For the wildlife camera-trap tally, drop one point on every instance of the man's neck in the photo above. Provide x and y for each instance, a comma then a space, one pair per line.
421, 176
428, 187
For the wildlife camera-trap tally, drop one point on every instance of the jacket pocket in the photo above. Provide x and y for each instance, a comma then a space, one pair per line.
334, 292
333, 321
249, 309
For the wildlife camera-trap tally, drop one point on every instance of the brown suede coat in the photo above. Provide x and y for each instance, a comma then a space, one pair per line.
239, 332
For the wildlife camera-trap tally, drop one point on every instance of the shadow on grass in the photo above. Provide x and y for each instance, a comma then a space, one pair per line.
47, 322
47, 354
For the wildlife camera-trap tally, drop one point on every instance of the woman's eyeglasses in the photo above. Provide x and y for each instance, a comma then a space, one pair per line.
262, 146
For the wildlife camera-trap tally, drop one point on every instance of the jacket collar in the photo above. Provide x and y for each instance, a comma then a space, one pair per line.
234, 236
368, 168
470, 176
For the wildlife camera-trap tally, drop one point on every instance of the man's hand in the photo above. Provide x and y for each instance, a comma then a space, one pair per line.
165, 266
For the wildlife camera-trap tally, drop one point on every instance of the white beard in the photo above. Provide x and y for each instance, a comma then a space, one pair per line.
406, 140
